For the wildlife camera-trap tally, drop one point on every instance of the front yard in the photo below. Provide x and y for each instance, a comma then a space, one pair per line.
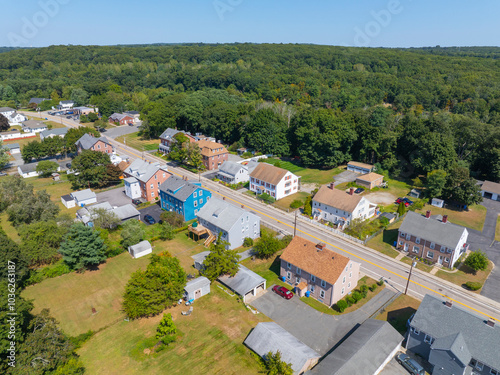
465, 274
384, 241
284, 203
399, 311
139, 143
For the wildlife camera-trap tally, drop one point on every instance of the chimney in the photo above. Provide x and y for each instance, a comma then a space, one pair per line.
445, 219
351, 191
448, 304
428, 214
242, 206
320, 246
223, 198
332, 185
490, 323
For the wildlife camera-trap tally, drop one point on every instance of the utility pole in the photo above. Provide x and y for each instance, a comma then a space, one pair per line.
295, 224
413, 264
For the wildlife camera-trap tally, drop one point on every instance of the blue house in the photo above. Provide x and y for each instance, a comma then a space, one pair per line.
182, 196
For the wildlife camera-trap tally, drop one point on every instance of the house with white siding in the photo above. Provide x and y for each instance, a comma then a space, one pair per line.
277, 182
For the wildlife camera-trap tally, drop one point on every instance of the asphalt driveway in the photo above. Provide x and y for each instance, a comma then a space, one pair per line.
118, 131
153, 210
346, 176
115, 197
317, 330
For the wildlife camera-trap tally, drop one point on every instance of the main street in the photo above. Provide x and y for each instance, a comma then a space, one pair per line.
373, 263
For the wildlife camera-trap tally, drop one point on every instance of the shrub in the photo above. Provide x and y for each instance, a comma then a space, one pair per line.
473, 285
267, 198
296, 203
373, 287
357, 296
477, 260
350, 300
173, 218
248, 242
380, 282
363, 288
341, 305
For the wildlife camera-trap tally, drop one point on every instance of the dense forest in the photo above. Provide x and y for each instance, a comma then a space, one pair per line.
411, 110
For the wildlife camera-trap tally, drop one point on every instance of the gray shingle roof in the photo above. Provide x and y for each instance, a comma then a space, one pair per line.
222, 214
126, 212
432, 229
196, 284
87, 141
179, 188
456, 344
231, 168
363, 352
243, 282
83, 194
27, 168
270, 337
37, 100
34, 124
143, 170
57, 131
170, 133
140, 247
118, 116
67, 197
200, 257
439, 321
12, 146
6, 109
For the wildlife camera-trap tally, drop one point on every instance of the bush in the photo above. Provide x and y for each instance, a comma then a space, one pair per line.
350, 300
58, 269
341, 305
373, 287
173, 218
266, 198
380, 282
248, 242
296, 203
473, 285
477, 260
357, 296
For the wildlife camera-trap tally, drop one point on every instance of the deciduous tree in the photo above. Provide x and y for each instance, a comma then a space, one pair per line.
46, 167
132, 233
220, 261
477, 260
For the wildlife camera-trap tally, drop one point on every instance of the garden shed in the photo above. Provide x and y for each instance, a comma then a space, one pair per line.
437, 202
140, 249
246, 283
197, 288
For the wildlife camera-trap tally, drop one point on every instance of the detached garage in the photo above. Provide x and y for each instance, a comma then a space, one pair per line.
68, 201
84, 197
197, 288
355, 166
246, 283
140, 249
370, 180
491, 190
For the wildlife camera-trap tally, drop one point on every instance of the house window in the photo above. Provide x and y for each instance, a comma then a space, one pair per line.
195, 211
152, 193
432, 245
323, 283
428, 339
417, 240
195, 194
343, 290
401, 242
297, 279
346, 268
416, 249
493, 372
322, 294
350, 265
288, 275
415, 331
151, 186
447, 260
99, 146
196, 203
479, 366
408, 236
156, 177
298, 271
201, 201
350, 274
313, 278
343, 280
443, 249
311, 288
163, 174
289, 266
402, 234
448, 250
201, 192
349, 285
430, 254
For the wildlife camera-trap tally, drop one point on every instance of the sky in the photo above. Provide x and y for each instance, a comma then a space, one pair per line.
363, 23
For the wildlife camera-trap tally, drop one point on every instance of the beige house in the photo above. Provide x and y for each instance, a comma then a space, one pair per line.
370, 180
313, 268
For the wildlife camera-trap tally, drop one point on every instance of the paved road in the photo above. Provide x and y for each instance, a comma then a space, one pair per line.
374, 264
317, 330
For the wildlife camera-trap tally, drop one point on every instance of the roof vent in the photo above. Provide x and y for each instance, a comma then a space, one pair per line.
320, 246
448, 304
490, 323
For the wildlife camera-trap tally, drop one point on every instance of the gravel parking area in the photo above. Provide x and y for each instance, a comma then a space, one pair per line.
346, 176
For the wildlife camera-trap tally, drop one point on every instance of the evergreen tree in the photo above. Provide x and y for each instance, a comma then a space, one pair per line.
82, 247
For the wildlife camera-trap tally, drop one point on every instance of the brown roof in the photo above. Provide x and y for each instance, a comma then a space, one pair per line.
123, 165
337, 198
370, 177
209, 148
268, 173
491, 187
324, 264
361, 165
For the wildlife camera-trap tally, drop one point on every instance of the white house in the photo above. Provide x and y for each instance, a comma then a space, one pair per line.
28, 170
340, 207
140, 249
32, 126
491, 190
58, 132
12, 148
12, 116
66, 104
276, 182
233, 173
84, 197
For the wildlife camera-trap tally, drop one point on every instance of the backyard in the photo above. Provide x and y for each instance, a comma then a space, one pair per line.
309, 175
136, 141
399, 311
384, 241
473, 218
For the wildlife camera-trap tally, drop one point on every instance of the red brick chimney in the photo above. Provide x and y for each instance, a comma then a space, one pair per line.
428, 214
332, 185
320, 246
223, 198
351, 191
448, 304
490, 323
445, 219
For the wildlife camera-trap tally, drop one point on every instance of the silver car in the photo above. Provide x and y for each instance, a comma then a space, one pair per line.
410, 364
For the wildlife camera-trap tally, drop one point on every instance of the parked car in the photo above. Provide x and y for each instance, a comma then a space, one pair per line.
402, 200
68, 165
136, 201
407, 200
149, 219
359, 190
282, 291
410, 364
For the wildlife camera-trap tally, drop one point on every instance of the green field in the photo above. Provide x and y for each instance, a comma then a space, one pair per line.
309, 175
137, 142
284, 203
399, 311
384, 241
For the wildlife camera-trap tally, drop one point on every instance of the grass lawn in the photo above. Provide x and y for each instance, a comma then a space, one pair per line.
399, 311
309, 175
23, 141
497, 232
137, 142
71, 297
54, 124
284, 203
9, 228
383, 242
421, 266
210, 342
269, 269
465, 274
473, 218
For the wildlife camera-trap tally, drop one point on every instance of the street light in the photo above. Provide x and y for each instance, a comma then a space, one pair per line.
413, 264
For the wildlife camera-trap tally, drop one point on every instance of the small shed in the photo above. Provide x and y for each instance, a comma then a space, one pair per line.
84, 197
437, 202
363, 168
140, 249
13, 148
270, 337
390, 216
68, 201
246, 283
199, 259
415, 193
56, 176
197, 288
370, 180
